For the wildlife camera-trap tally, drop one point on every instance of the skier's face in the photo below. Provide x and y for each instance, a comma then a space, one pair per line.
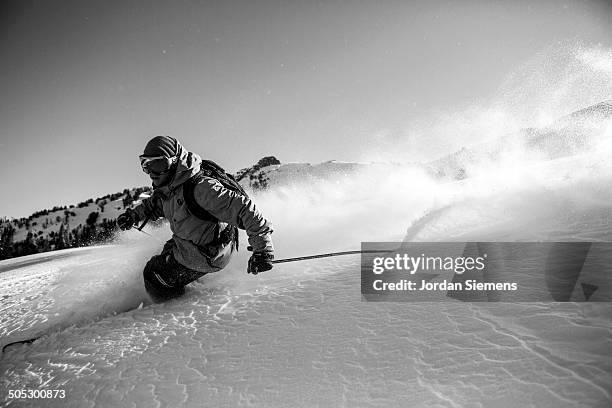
160, 180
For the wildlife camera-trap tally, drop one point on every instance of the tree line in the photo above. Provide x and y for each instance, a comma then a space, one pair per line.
93, 232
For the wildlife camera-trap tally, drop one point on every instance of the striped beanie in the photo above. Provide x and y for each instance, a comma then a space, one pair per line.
161, 146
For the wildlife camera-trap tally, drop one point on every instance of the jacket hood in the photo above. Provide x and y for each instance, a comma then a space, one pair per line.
188, 166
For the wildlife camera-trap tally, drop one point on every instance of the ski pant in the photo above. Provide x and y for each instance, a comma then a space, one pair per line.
165, 278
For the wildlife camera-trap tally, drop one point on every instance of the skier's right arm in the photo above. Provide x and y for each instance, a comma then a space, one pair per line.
150, 208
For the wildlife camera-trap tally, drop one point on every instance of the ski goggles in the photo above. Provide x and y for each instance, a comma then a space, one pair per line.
157, 165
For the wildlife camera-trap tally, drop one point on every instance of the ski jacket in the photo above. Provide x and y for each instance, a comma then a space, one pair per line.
196, 239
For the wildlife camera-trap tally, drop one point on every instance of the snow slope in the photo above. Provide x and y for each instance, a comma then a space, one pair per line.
298, 336
301, 335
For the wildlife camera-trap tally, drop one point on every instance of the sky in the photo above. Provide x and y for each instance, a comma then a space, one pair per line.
84, 84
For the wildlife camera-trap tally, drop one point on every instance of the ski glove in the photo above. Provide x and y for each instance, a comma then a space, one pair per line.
127, 220
260, 262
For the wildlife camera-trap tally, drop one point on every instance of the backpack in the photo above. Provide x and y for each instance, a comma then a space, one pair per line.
208, 168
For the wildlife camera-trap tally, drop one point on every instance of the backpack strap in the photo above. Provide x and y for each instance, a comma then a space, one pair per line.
195, 208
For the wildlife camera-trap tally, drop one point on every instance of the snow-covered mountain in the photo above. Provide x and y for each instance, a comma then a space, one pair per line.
292, 173
571, 134
89, 222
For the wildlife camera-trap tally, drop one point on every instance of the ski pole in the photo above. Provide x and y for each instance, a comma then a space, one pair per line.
146, 233
304, 258
143, 225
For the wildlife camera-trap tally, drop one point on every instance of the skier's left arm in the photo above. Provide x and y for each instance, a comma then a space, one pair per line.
236, 209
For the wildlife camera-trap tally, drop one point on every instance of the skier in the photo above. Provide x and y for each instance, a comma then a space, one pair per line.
199, 244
